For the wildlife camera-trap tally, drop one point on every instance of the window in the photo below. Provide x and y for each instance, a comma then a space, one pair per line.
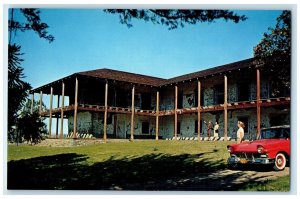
145, 127
219, 94
178, 128
180, 101
146, 101
201, 97
196, 126
243, 92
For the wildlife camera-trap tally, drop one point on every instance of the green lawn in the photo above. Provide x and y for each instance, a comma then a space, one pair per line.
139, 165
281, 184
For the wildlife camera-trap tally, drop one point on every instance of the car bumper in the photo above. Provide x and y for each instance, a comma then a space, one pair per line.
237, 160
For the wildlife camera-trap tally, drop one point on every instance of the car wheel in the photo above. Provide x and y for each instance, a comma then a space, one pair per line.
280, 162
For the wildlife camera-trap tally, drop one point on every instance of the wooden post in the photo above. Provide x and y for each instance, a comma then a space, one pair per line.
157, 115
62, 111
175, 110
258, 102
50, 112
32, 101
225, 108
105, 112
75, 109
199, 109
132, 115
56, 133
41, 101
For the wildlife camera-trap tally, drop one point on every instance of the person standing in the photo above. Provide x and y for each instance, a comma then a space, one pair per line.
240, 132
209, 128
216, 130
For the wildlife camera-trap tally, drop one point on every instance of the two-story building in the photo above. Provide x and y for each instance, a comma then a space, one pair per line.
114, 104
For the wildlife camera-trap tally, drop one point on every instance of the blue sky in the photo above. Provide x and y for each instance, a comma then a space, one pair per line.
91, 39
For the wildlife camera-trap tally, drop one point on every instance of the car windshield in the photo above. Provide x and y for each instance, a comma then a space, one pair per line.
275, 133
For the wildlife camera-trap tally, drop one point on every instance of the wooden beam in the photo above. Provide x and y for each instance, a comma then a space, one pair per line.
32, 101
56, 135
105, 112
199, 110
41, 101
62, 111
225, 108
258, 102
157, 114
50, 112
75, 109
132, 115
175, 112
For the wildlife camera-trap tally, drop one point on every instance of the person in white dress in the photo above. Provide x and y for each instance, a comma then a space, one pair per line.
216, 130
240, 132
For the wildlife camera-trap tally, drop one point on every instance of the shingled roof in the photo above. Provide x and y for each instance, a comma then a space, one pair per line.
124, 76
212, 71
134, 78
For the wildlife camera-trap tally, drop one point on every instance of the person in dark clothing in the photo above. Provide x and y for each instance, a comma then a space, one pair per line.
209, 128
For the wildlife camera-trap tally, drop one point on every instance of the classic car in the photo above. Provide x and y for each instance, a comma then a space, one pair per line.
273, 147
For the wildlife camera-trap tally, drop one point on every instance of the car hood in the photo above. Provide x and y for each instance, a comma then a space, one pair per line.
251, 147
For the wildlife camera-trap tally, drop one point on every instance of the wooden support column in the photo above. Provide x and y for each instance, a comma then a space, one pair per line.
258, 102
199, 109
225, 109
32, 101
132, 115
50, 112
75, 109
105, 112
175, 110
41, 101
56, 133
157, 115
61, 133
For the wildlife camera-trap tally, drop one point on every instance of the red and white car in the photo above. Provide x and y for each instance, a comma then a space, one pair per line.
273, 147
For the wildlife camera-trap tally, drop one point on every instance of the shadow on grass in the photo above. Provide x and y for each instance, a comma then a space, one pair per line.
149, 172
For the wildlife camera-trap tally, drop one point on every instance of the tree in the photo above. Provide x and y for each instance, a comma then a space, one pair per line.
33, 22
31, 125
273, 53
174, 18
18, 89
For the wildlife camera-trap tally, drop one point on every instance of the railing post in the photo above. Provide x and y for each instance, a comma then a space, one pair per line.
62, 110
199, 109
50, 112
157, 115
105, 112
225, 109
175, 112
132, 115
75, 108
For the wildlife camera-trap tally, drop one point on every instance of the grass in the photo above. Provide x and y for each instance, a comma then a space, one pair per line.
281, 184
139, 165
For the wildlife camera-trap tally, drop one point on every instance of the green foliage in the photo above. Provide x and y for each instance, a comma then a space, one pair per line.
31, 125
274, 54
17, 88
281, 184
174, 18
33, 22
